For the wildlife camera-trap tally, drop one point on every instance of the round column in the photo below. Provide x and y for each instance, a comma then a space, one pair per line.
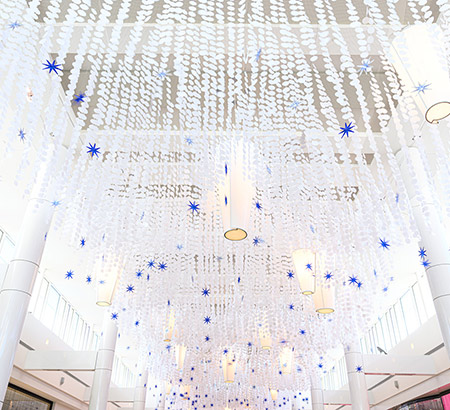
98, 399
356, 377
18, 284
433, 238
140, 391
316, 394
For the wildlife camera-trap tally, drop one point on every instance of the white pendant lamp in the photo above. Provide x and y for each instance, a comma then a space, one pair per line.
418, 55
265, 340
274, 394
185, 390
105, 292
229, 368
107, 271
305, 267
324, 299
180, 353
286, 357
168, 331
236, 196
168, 388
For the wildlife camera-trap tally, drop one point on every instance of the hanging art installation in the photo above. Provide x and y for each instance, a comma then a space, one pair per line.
228, 170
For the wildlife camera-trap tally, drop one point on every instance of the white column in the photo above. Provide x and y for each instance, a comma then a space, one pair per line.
433, 238
316, 393
356, 377
18, 284
103, 367
140, 391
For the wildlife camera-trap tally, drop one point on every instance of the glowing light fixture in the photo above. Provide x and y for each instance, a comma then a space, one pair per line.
168, 331
229, 368
108, 272
305, 268
266, 340
236, 198
286, 357
180, 353
324, 299
185, 390
418, 55
168, 388
274, 394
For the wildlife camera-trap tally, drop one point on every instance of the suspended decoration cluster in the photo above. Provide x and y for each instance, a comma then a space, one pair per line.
227, 170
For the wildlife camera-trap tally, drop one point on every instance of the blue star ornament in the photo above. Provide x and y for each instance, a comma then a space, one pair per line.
359, 369
384, 243
151, 264
207, 320
257, 241
79, 98
14, 25
114, 316
69, 274
93, 149
130, 288
346, 130
52, 66
425, 263
22, 135
353, 280
88, 279
194, 207
421, 88
82, 242
328, 276
205, 291
422, 253
162, 266
365, 67
290, 274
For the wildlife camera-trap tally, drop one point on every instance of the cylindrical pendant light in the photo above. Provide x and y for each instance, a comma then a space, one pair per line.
274, 394
184, 391
229, 368
305, 267
324, 299
237, 194
286, 357
168, 331
180, 353
266, 340
168, 388
418, 55
106, 269
105, 291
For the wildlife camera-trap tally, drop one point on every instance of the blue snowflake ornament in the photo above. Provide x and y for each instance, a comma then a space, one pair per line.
93, 149
366, 66
421, 88
79, 98
52, 66
14, 25
69, 274
194, 207
22, 135
384, 243
346, 129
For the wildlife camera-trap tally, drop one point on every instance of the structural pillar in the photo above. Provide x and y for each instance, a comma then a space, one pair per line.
98, 399
433, 238
356, 377
316, 393
140, 391
18, 283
